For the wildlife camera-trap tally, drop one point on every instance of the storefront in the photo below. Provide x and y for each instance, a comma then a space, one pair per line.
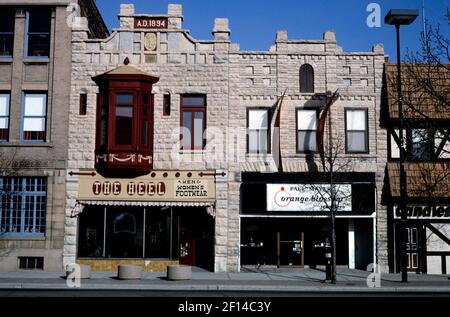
291, 227
157, 219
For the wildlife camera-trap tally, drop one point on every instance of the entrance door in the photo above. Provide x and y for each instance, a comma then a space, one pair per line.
290, 250
187, 246
412, 248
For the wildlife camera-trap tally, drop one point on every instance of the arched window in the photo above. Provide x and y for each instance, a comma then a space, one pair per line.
306, 78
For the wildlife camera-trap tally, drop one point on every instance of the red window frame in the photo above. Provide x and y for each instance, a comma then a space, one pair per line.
193, 109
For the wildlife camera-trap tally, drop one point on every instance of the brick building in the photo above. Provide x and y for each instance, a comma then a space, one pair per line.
35, 57
171, 154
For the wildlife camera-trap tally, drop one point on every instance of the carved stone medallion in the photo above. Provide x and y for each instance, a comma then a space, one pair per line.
150, 41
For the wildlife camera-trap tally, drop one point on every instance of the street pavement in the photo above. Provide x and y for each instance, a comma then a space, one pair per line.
250, 280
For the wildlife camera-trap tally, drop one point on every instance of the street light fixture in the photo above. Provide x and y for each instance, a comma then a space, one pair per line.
399, 17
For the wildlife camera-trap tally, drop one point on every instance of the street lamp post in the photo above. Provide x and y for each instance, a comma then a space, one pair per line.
399, 17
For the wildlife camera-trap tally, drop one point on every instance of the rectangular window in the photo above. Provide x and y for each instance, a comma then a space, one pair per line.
34, 117
306, 130
83, 104
166, 105
356, 131
6, 32
420, 144
31, 262
124, 119
258, 131
193, 122
23, 205
4, 117
38, 23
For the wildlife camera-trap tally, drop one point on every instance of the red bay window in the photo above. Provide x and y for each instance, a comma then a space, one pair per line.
124, 141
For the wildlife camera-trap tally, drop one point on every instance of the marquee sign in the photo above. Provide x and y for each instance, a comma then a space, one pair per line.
192, 186
435, 212
307, 197
150, 23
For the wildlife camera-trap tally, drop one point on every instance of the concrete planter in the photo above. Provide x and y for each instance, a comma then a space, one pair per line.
85, 270
129, 272
179, 272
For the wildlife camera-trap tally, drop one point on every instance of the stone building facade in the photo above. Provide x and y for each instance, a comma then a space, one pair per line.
34, 87
233, 82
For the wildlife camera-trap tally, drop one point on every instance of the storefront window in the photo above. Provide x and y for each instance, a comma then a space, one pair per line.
90, 238
157, 235
122, 234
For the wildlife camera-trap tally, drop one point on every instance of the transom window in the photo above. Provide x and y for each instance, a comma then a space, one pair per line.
6, 32
38, 32
306, 130
258, 131
193, 122
34, 117
356, 131
23, 205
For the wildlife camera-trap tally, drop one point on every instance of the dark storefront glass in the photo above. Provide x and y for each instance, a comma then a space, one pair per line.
124, 237
157, 235
90, 237
124, 232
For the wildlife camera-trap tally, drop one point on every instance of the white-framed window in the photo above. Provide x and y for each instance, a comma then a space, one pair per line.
356, 131
4, 117
306, 130
34, 117
258, 131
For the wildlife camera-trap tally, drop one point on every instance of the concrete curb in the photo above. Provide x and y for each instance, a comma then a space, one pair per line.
235, 288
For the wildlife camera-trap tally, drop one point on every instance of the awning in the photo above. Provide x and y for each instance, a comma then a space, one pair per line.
78, 208
146, 203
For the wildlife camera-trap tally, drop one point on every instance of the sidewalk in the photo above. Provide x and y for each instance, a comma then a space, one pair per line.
250, 279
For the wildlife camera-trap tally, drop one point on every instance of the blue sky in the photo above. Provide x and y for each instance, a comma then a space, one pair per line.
254, 23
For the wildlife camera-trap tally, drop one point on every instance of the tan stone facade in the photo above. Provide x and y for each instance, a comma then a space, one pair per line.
233, 81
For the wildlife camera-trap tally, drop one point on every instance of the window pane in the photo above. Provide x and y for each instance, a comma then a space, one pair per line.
192, 101
35, 105
125, 99
40, 20
157, 235
3, 123
356, 120
258, 119
34, 124
124, 233
90, 239
356, 141
38, 44
253, 141
124, 125
187, 131
6, 44
306, 78
306, 119
7, 20
421, 144
306, 141
144, 132
4, 105
198, 129
262, 141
